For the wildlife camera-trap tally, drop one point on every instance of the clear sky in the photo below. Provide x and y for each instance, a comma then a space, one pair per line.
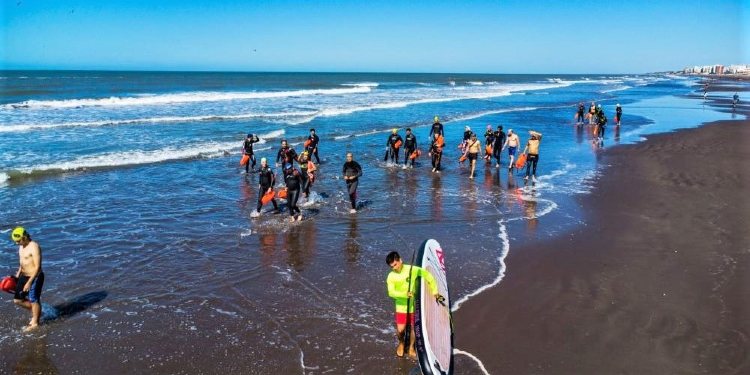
566, 36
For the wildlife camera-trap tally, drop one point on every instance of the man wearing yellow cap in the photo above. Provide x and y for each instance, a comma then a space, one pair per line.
392, 146
30, 276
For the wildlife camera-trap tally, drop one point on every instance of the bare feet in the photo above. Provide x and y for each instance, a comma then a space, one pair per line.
30, 327
292, 219
400, 349
299, 217
412, 353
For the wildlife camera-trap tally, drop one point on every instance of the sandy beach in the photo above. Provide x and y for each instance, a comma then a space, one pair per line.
655, 283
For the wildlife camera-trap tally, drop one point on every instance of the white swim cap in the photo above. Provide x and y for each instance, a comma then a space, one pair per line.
263, 160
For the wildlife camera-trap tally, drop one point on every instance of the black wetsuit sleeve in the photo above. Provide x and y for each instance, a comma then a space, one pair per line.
358, 169
278, 155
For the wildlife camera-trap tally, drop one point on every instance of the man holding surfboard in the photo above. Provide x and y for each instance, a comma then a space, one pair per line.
401, 285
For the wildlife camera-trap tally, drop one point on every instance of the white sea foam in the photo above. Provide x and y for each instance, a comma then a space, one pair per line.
472, 356
621, 88
476, 115
136, 157
288, 116
361, 84
185, 97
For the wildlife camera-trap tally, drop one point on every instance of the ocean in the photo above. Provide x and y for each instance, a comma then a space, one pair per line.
130, 181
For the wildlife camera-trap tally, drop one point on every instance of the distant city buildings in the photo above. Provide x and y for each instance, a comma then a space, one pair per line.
718, 69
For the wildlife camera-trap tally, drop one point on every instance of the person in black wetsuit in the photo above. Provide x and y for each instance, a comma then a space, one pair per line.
579, 114
247, 149
286, 154
266, 180
735, 101
618, 114
601, 124
293, 185
498, 147
489, 141
312, 147
467, 137
437, 127
352, 171
410, 145
391, 146
436, 151
306, 169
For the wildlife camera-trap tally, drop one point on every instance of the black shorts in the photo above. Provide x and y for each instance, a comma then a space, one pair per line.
472, 157
35, 293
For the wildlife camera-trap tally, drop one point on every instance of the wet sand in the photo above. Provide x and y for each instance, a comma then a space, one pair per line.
656, 282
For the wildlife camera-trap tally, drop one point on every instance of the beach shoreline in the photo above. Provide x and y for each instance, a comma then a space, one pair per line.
652, 284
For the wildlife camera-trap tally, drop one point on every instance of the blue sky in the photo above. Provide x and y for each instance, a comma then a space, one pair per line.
374, 36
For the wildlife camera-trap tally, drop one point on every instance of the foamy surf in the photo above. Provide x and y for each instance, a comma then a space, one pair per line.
131, 158
176, 98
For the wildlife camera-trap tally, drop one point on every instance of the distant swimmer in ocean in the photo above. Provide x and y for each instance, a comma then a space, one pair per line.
532, 154
618, 114
436, 151
286, 154
579, 114
307, 172
497, 148
401, 283
511, 143
352, 171
393, 146
247, 149
266, 181
29, 277
437, 127
311, 145
293, 183
410, 145
473, 147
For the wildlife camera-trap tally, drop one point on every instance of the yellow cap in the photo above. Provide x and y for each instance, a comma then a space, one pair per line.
17, 233
437, 119
394, 131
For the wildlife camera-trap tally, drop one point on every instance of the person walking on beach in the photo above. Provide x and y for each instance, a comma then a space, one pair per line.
436, 151
437, 127
601, 124
497, 148
352, 171
511, 143
393, 146
618, 114
401, 284
472, 153
410, 145
467, 137
307, 172
286, 154
311, 145
579, 114
735, 100
532, 154
266, 181
29, 277
489, 142
247, 149
592, 113
293, 185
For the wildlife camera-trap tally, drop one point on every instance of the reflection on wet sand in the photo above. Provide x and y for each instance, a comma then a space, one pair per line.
35, 360
299, 242
437, 198
352, 246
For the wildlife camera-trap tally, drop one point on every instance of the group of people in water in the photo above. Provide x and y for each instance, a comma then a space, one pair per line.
596, 117
299, 170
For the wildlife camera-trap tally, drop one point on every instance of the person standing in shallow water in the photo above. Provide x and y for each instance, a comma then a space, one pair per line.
266, 180
247, 149
352, 171
398, 283
511, 143
436, 152
293, 186
499, 144
473, 148
393, 146
29, 277
437, 127
410, 145
532, 154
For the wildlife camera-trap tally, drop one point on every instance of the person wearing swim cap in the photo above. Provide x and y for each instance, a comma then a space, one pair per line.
489, 142
286, 154
393, 146
307, 170
30, 277
467, 137
436, 152
266, 181
579, 114
497, 148
410, 145
293, 183
532, 154
312, 146
511, 143
437, 127
247, 149
352, 171
401, 284
618, 114
600, 125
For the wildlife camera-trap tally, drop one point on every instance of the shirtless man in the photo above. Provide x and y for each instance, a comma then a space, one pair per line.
512, 144
30, 276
